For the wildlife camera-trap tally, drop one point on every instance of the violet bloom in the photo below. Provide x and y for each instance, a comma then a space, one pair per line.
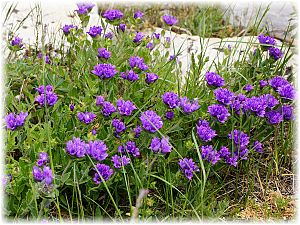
43, 159
122, 27
120, 161
72, 107
156, 35
169, 115
188, 105
131, 148
270, 100
275, 53
224, 96
170, 99
94, 31
138, 14
266, 40
205, 133
108, 109
113, 14
42, 89
97, 150
151, 78
256, 105
47, 59
224, 152
150, 45
17, 42
219, 111
240, 139
277, 82
105, 173
13, 120
94, 132
99, 100
160, 145
214, 79
129, 75
37, 174
188, 167
151, 121
232, 161
138, 62
84, 8
109, 35
263, 83
103, 53
86, 117
168, 39
119, 126
287, 112
104, 71
169, 20
248, 87
237, 104
125, 107
137, 131
209, 154
47, 174
257, 146
274, 117
67, 28
138, 37
51, 97
287, 92
76, 147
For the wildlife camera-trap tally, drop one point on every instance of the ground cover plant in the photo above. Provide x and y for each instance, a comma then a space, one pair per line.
107, 127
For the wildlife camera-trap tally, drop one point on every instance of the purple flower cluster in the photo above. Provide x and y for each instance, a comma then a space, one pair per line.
150, 45
44, 175
287, 92
125, 107
138, 37
214, 79
13, 120
151, 121
67, 28
263, 83
188, 106
51, 97
129, 75
43, 159
86, 117
99, 100
274, 117
287, 112
170, 99
256, 105
169, 20
151, 78
77, 148
109, 35
248, 87
84, 8
226, 155
224, 96
137, 131
188, 166
94, 31
204, 131
237, 104
160, 145
97, 150
138, 62
122, 27
138, 14
131, 148
103, 171
113, 14
241, 140
266, 40
120, 161
275, 53
257, 146
108, 108
105, 71
103, 53
219, 111
119, 126
169, 115
212, 156
16, 41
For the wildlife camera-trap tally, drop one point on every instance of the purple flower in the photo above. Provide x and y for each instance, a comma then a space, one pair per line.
103, 53
156, 35
77, 148
138, 37
112, 14
120, 161
47, 174
131, 148
138, 14
99, 100
84, 8
160, 145
17, 42
257, 146
170, 99
67, 28
150, 45
129, 75
151, 121
224, 96
41, 89
86, 117
275, 53
270, 100
187, 167
108, 109
168, 39
136, 61
51, 97
209, 154
105, 172
205, 133
122, 27
137, 131
125, 107
287, 92
248, 87
47, 59
94, 31
105, 71
263, 83
232, 160
274, 117
287, 112
94, 132
72, 107
266, 40
97, 150
224, 152
188, 106
37, 173
237, 104
219, 111
214, 79
118, 125
169, 20
240, 139
277, 82
151, 78
109, 35
256, 105
43, 159
13, 120
169, 115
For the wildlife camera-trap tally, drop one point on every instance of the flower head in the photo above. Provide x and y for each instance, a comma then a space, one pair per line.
170, 99
205, 133
105, 71
105, 172
266, 40
219, 111
119, 126
169, 20
263, 83
287, 112
97, 150
47, 174
287, 92
67, 28
51, 97
160, 145
120, 161
257, 146
37, 173
113, 14
16, 41
224, 96
151, 78
108, 109
138, 62
274, 117
13, 120
94, 31
187, 167
76, 147
99, 100
129, 75
189, 105
138, 37
125, 108
86, 117
103, 53
169, 115
151, 121
137, 131
214, 79
122, 27
138, 14
43, 159
212, 156
84, 8
248, 87
275, 53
